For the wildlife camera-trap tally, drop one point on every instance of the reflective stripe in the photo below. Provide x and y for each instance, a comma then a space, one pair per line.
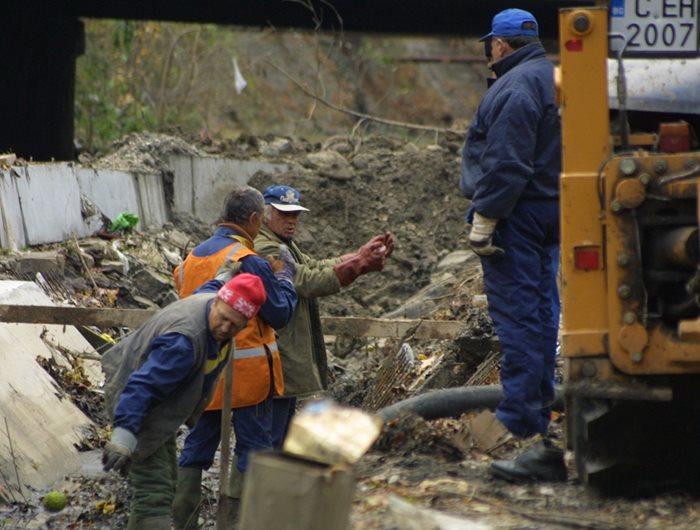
181, 273
247, 353
234, 249
223, 276
247, 243
211, 364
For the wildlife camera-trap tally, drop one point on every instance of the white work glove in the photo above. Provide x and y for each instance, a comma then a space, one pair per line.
481, 236
117, 452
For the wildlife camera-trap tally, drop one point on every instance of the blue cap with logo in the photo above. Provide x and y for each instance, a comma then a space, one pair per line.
284, 199
513, 23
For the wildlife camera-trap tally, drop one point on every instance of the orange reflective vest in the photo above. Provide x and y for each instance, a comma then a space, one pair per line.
257, 367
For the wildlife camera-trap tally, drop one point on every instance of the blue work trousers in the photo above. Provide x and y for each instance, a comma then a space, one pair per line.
522, 305
282, 412
253, 429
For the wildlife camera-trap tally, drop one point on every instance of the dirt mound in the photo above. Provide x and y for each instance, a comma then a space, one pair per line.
356, 189
143, 153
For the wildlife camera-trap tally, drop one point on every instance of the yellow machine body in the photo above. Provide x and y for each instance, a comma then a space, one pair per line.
629, 257
604, 308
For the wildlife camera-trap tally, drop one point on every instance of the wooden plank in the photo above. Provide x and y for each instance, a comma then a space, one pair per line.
75, 316
382, 327
132, 318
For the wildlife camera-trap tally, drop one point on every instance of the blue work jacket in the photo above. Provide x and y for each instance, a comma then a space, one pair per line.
513, 146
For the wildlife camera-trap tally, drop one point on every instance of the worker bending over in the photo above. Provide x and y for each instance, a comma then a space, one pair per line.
163, 375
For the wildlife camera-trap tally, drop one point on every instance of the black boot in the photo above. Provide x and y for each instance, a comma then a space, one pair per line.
541, 463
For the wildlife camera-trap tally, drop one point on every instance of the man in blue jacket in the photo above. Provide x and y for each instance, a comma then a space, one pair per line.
510, 170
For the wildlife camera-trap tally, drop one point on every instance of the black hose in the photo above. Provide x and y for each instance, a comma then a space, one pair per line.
448, 402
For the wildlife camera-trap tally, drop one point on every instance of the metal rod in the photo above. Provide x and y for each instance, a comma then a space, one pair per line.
224, 471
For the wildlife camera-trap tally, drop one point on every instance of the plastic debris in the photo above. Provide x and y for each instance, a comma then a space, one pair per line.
125, 222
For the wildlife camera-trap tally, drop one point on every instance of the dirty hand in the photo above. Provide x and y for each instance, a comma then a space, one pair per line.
289, 266
481, 236
277, 265
117, 452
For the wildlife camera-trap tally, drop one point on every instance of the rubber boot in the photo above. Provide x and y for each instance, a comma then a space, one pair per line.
543, 462
188, 497
236, 492
158, 522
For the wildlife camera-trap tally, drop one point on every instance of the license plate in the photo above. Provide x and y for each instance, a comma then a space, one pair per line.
655, 27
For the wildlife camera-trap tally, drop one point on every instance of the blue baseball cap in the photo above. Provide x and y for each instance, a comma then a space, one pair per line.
513, 23
284, 199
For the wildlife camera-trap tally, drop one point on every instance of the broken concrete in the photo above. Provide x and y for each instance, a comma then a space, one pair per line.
404, 515
112, 192
28, 264
46, 203
331, 164
154, 287
40, 428
201, 183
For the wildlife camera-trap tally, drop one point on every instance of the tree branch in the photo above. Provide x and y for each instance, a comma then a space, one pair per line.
361, 115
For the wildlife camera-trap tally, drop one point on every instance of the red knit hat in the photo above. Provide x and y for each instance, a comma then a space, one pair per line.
245, 293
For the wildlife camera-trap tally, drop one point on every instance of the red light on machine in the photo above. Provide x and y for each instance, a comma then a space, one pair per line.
574, 45
674, 137
587, 258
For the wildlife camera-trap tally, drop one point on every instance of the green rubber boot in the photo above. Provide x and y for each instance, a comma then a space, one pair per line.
188, 497
159, 522
236, 491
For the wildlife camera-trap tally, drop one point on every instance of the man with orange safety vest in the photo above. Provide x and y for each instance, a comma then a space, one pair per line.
257, 369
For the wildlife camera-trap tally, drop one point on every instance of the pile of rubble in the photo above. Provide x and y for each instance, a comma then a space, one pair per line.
354, 186
354, 189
